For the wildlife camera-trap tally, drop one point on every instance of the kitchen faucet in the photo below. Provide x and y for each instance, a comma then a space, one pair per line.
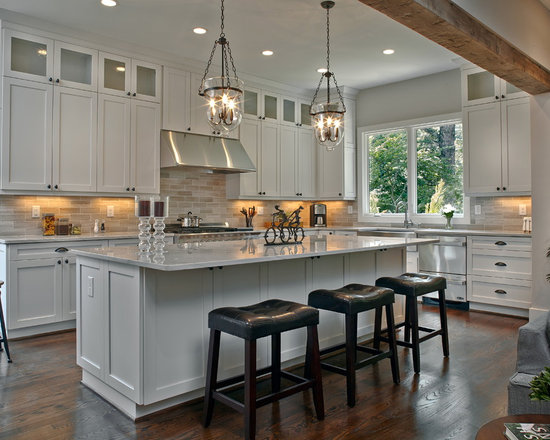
407, 223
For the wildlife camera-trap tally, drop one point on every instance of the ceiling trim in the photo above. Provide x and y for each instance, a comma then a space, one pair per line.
452, 27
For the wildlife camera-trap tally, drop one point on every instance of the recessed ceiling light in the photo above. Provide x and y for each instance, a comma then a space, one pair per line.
109, 3
322, 70
267, 53
388, 51
199, 30
121, 69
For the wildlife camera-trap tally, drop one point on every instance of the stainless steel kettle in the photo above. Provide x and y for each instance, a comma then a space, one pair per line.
186, 220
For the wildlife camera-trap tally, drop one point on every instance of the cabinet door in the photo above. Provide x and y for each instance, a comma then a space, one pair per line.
482, 149
307, 163
27, 135
146, 81
74, 139
176, 100
69, 288
270, 107
114, 74
479, 87
269, 173
199, 123
289, 111
28, 56
304, 116
145, 152
252, 103
75, 66
349, 171
288, 161
35, 295
516, 145
113, 143
331, 172
251, 139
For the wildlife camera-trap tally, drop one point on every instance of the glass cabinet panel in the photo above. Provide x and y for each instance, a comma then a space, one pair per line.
270, 107
305, 117
289, 111
76, 66
481, 85
114, 74
251, 103
510, 88
29, 57
146, 81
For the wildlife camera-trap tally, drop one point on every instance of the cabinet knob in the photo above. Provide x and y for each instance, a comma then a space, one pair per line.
134, 94
127, 189
50, 79
496, 97
56, 187
260, 193
503, 188
300, 124
188, 128
49, 187
66, 261
340, 194
259, 117
129, 94
58, 261
57, 80
503, 96
133, 189
498, 188
263, 193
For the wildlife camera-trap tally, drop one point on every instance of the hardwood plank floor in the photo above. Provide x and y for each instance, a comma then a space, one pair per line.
41, 396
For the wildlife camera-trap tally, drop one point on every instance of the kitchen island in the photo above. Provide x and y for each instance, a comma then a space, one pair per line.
142, 331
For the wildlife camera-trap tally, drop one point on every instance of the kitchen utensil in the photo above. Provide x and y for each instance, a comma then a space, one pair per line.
245, 213
186, 220
196, 221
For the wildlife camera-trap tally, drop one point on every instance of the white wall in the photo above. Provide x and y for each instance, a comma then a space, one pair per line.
429, 95
540, 164
524, 23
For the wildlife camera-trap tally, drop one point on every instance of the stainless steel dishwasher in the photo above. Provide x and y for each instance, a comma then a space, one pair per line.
447, 259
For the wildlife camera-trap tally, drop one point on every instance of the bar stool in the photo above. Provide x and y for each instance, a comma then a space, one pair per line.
268, 318
3, 335
413, 285
352, 300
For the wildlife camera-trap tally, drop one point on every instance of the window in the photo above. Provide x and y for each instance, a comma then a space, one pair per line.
415, 167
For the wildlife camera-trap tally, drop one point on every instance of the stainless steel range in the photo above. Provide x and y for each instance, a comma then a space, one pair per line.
447, 259
209, 232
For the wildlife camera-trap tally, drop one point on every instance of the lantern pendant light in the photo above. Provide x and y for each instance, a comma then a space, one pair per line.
327, 118
223, 93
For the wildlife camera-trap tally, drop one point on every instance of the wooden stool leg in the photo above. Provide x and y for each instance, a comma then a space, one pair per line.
276, 362
4, 335
351, 356
211, 375
377, 328
393, 344
443, 319
407, 336
413, 313
250, 389
313, 356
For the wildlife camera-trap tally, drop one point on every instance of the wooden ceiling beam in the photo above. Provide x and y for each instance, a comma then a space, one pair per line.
452, 27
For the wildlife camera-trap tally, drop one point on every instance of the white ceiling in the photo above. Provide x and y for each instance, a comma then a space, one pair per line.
294, 29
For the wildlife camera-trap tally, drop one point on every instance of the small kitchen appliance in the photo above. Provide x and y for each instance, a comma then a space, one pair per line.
318, 215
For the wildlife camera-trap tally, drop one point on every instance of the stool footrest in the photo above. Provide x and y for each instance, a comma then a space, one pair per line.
240, 378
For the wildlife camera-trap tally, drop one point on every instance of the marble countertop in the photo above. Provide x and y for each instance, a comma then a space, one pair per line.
185, 256
15, 239
431, 231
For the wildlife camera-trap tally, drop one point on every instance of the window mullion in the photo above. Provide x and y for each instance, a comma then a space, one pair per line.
411, 170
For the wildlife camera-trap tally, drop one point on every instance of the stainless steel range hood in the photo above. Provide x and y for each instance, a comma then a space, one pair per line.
210, 152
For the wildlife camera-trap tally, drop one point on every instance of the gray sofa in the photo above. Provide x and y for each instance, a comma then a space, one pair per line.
533, 356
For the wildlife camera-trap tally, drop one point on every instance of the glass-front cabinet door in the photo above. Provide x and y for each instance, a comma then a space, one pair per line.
28, 56
289, 111
270, 107
305, 117
252, 103
479, 87
114, 74
75, 66
146, 81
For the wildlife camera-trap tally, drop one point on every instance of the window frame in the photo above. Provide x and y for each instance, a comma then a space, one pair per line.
363, 179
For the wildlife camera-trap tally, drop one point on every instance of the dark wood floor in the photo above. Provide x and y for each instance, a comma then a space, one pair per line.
41, 396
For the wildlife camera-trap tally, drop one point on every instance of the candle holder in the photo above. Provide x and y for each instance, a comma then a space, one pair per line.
160, 212
143, 212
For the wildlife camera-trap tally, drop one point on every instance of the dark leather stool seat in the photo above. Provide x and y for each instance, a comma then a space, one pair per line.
3, 334
268, 318
351, 300
413, 285
263, 319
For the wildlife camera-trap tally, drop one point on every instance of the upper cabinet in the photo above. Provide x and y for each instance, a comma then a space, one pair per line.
481, 87
263, 105
497, 139
124, 76
75, 66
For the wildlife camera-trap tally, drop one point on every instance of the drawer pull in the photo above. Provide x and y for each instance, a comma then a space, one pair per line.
501, 243
500, 264
62, 249
501, 292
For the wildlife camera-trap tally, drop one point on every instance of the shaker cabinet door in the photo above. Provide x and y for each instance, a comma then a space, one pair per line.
145, 152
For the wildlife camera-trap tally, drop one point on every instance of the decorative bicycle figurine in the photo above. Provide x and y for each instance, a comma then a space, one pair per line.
285, 227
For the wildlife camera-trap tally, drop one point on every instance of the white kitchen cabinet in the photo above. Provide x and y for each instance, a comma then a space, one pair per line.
304, 118
289, 111
113, 144
74, 139
75, 66
198, 108
307, 164
123, 76
480, 87
497, 146
264, 105
246, 185
28, 56
27, 135
288, 167
176, 100
252, 103
145, 147
269, 160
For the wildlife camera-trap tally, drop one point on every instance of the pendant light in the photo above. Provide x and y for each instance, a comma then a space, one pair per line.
223, 93
327, 118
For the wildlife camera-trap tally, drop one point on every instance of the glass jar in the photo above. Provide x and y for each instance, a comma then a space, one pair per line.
76, 229
62, 226
48, 224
